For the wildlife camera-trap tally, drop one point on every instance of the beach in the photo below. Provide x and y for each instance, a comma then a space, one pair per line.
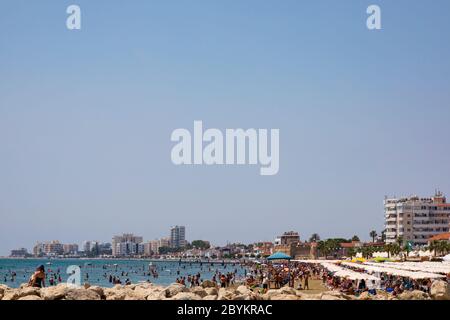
278, 280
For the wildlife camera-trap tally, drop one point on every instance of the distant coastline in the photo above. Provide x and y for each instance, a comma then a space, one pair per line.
227, 260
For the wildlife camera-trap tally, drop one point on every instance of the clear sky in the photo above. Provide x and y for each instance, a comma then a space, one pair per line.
86, 116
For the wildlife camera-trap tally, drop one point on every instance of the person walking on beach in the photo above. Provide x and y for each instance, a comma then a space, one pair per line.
37, 280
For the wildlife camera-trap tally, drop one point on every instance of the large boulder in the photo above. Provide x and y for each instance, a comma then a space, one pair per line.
131, 292
225, 294
3, 288
281, 294
98, 290
243, 290
82, 294
210, 297
413, 295
186, 296
212, 291
54, 293
287, 290
155, 295
142, 291
271, 293
208, 284
11, 294
117, 292
173, 290
440, 290
28, 291
199, 291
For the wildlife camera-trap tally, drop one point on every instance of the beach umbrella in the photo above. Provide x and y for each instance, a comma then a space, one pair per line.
279, 256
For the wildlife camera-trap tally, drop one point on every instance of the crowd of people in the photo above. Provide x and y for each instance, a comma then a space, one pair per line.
298, 275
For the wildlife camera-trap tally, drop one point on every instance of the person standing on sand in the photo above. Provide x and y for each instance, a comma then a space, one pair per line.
37, 280
306, 286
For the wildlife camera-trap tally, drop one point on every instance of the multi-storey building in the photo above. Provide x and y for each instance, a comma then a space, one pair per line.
127, 244
415, 219
151, 247
71, 249
288, 238
129, 249
49, 248
178, 237
88, 245
164, 242
22, 252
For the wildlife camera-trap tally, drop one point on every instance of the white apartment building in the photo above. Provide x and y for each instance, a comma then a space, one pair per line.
123, 245
129, 249
48, 248
416, 219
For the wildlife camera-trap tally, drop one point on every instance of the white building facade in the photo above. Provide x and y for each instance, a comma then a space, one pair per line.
415, 219
127, 244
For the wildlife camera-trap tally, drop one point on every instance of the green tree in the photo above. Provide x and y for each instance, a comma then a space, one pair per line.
167, 250
388, 249
321, 248
355, 238
200, 244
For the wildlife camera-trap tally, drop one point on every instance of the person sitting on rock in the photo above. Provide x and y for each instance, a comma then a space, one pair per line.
37, 280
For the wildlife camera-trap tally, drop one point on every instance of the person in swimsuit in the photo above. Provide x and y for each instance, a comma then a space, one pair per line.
38, 278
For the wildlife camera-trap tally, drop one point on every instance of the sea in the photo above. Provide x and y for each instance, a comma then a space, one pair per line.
14, 272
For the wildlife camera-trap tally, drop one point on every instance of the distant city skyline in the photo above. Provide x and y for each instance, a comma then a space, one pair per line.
86, 116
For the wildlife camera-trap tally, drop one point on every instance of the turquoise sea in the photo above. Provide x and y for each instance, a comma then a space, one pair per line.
14, 272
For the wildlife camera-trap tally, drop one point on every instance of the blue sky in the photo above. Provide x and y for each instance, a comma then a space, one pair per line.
86, 116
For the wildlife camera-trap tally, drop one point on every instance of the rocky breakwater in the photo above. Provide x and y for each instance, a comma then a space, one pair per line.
208, 291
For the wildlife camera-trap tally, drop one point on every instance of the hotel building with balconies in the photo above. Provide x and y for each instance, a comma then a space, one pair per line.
416, 219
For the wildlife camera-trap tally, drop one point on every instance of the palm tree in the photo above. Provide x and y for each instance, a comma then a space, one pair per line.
407, 249
434, 246
351, 252
383, 236
373, 234
396, 249
388, 249
365, 251
443, 247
